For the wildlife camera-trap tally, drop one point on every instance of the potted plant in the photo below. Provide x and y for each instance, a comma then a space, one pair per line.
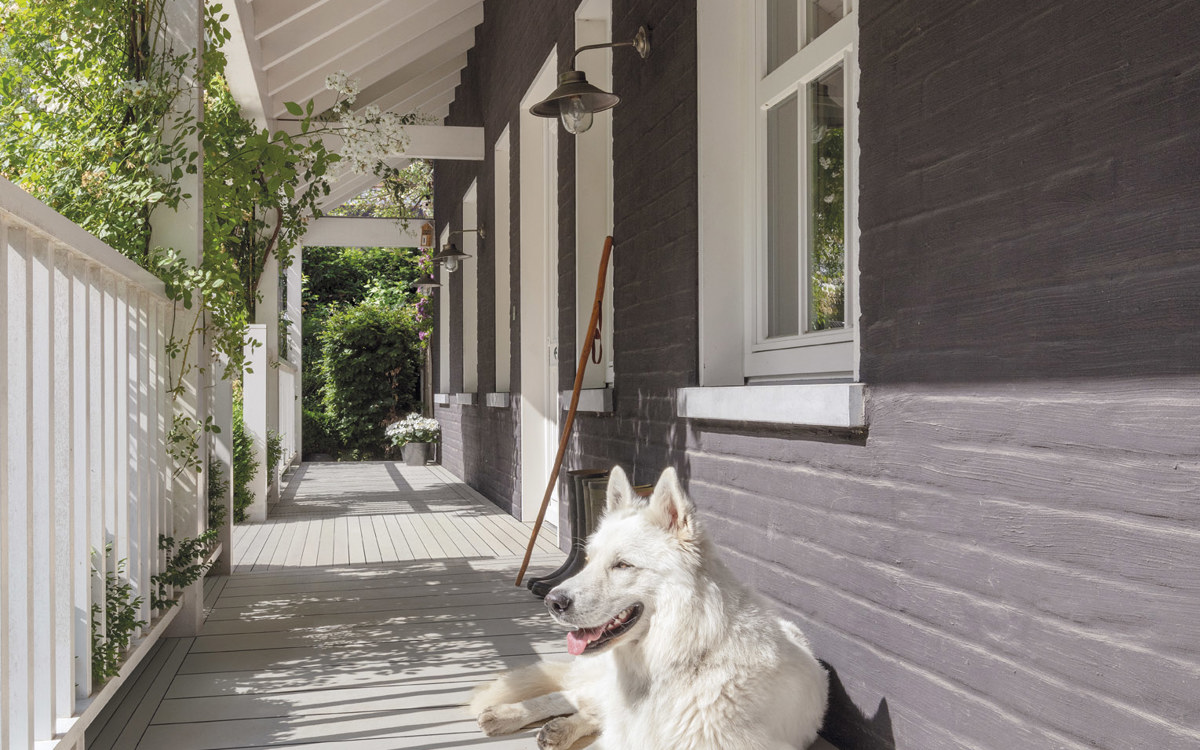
415, 436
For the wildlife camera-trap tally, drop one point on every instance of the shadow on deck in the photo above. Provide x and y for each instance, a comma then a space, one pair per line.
359, 616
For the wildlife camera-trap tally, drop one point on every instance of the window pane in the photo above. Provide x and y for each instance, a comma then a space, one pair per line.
822, 14
827, 201
783, 31
783, 219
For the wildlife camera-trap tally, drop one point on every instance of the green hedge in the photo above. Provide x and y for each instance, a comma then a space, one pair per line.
244, 467
372, 364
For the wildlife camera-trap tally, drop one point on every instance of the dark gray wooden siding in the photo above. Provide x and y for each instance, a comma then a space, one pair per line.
1009, 557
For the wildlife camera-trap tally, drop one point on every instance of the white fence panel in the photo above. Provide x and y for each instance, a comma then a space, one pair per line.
84, 413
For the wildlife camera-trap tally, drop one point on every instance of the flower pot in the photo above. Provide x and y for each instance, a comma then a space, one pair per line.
416, 454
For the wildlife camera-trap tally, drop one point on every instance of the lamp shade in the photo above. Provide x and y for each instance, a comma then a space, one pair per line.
428, 284
574, 94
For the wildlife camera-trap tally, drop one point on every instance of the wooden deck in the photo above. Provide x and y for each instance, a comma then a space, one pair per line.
359, 617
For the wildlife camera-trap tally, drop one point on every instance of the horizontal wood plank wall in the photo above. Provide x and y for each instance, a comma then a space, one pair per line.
1008, 557
84, 405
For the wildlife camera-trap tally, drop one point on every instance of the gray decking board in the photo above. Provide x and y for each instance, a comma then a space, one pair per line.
359, 616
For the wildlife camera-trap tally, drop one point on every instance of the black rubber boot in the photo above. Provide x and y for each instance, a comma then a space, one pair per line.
578, 519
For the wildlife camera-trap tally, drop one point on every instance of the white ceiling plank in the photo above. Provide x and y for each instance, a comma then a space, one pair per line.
342, 231
435, 100
418, 102
373, 56
351, 185
299, 38
269, 15
412, 79
244, 70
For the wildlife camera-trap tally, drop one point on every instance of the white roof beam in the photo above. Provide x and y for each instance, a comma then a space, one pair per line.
425, 141
349, 184
344, 231
371, 57
269, 15
244, 70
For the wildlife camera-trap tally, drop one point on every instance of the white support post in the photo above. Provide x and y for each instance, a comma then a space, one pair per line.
183, 231
222, 455
79, 349
295, 313
266, 313
254, 418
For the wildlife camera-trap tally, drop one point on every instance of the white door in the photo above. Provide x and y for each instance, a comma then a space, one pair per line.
539, 298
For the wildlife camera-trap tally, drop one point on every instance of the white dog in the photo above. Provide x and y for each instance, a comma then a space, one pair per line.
675, 654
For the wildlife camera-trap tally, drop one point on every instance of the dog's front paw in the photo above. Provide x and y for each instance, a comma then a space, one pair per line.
502, 719
556, 734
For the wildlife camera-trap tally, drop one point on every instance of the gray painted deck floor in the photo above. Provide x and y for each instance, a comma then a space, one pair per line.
359, 616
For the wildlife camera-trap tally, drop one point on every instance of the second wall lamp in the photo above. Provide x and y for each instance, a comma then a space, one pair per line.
451, 255
575, 100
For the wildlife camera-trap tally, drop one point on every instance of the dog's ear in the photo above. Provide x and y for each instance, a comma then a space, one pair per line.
620, 491
671, 508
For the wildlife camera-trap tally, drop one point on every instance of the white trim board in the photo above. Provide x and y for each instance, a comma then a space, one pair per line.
820, 405
599, 400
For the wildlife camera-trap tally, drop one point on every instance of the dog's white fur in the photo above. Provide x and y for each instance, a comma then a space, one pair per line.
708, 665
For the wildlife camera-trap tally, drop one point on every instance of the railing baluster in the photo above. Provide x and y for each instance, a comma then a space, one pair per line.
63, 698
80, 478
39, 349
18, 709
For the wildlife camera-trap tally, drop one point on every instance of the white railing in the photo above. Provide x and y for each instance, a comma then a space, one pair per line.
287, 413
84, 409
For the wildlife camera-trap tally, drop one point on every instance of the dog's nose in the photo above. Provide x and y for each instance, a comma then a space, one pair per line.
558, 602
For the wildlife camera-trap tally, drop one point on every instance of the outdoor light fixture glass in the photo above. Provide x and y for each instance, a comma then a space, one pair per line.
451, 255
428, 284
575, 100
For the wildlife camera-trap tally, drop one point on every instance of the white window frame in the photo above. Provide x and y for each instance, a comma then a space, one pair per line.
732, 94
469, 268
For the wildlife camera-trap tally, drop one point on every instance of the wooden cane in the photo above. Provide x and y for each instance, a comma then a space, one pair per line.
566, 431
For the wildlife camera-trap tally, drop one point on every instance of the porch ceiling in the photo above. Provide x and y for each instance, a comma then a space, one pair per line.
407, 55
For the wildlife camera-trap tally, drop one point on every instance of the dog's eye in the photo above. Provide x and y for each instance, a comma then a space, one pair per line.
621, 565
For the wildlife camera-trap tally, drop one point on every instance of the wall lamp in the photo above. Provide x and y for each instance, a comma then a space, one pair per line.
575, 100
451, 255
428, 284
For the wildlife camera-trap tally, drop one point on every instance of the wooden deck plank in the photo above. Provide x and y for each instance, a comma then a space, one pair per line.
363, 612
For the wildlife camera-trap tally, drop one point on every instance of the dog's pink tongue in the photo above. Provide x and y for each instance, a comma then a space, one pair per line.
577, 640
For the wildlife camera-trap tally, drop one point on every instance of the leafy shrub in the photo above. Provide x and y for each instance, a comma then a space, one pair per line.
274, 450
319, 436
372, 366
120, 620
244, 467
185, 565
217, 487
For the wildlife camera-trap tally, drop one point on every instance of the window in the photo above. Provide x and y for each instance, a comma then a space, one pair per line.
443, 322
502, 243
470, 272
778, 109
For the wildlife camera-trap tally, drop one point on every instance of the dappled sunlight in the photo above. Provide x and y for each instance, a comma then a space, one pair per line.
359, 649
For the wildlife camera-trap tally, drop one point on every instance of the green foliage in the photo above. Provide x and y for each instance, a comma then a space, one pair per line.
218, 485
319, 434
345, 275
186, 564
828, 292
113, 628
404, 194
372, 361
244, 467
274, 450
88, 117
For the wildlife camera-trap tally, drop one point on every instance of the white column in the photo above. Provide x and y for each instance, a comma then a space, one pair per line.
254, 417
266, 313
295, 313
222, 455
183, 231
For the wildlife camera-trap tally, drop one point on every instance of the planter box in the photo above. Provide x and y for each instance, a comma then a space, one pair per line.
417, 454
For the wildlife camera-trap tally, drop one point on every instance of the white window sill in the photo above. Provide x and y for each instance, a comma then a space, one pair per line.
442, 399
820, 405
464, 399
598, 400
498, 400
